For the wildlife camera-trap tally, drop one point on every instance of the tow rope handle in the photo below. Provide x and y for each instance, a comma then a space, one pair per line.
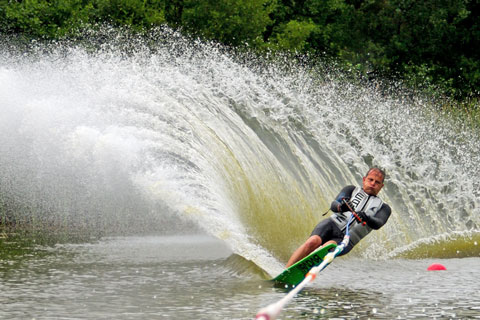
354, 213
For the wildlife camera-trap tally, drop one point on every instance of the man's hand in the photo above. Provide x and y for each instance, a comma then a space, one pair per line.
362, 215
344, 206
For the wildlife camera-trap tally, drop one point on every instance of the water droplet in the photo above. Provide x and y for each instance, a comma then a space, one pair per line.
475, 243
260, 287
374, 310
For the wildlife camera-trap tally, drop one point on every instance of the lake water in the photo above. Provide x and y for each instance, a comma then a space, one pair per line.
196, 277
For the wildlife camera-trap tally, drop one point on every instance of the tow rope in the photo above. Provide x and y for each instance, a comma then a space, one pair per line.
271, 311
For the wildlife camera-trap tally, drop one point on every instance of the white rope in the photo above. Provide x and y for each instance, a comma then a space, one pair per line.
273, 310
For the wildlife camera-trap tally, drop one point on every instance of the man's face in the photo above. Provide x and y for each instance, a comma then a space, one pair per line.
373, 182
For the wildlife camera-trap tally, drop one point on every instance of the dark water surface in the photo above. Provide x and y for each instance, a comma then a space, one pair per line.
196, 277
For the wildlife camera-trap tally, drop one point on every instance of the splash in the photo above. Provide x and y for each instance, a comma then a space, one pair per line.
448, 245
167, 134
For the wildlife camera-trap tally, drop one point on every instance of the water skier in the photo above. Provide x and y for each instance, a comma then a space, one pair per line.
372, 211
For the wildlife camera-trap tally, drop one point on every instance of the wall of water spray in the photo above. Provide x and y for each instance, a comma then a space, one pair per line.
165, 134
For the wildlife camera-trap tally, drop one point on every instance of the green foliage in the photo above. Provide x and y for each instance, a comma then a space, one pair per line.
293, 35
133, 13
314, 26
57, 18
41, 18
432, 44
232, 22
428, 40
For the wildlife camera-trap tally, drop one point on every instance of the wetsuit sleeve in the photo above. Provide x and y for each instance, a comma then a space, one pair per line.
380, 217
344, 193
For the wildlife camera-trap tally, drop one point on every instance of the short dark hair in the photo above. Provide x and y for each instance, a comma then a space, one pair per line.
382, 172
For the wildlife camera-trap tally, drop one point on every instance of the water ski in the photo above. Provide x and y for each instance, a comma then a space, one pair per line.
294, 274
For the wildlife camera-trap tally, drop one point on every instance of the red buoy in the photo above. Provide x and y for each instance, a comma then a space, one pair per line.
436, 266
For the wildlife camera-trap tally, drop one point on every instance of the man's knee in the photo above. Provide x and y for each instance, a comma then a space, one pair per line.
313, 243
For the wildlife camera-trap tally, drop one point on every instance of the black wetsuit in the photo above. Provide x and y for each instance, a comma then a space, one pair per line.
333, 228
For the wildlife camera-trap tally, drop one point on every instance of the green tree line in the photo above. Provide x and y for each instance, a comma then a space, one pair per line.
432, 43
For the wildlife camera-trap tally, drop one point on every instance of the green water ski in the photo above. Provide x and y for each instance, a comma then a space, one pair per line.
294, 274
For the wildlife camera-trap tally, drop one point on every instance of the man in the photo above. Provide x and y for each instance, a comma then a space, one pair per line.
364, 201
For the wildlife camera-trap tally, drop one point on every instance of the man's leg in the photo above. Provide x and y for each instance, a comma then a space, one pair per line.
305, 249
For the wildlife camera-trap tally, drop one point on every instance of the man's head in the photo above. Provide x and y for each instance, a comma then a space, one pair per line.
373, 181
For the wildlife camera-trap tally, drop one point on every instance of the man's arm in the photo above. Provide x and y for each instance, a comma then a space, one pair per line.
380, 217
346, 192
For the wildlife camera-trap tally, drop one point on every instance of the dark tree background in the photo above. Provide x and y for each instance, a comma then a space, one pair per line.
432, 43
